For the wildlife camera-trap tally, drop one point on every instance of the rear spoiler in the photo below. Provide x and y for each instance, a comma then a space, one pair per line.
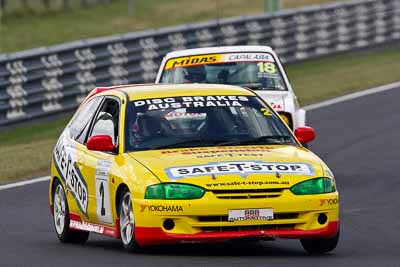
98, 90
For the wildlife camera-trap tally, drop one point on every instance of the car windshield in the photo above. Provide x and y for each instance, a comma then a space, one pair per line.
196, 121
257, 71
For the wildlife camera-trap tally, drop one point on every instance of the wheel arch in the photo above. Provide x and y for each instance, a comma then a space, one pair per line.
118, 195
53, 181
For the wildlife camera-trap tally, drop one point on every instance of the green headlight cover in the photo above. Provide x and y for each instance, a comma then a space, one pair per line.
314, 186
173, 191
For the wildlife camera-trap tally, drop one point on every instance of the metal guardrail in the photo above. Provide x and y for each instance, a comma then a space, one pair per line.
53, 79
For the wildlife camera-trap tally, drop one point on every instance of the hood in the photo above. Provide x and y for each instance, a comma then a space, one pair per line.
240, 167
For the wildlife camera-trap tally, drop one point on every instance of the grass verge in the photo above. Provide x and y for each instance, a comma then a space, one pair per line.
24, 30
26, 152
320, 79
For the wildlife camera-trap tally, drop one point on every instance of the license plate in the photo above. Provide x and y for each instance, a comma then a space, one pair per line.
250, 214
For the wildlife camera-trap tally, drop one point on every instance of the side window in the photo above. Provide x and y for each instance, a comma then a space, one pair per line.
107, 120
80, 123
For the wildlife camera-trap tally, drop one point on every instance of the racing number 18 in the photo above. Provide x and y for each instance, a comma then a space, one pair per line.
267, 67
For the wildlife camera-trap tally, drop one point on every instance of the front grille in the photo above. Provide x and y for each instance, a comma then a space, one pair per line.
248, 228
277, 216
247, 194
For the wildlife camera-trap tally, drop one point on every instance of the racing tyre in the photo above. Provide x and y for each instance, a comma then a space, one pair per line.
61, 218
127, 222
320, 245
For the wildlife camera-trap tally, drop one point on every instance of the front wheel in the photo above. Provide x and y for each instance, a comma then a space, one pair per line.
61, 218
127, 222
320, 245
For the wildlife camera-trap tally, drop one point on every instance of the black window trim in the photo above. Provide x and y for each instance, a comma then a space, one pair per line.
89, 121
105, 97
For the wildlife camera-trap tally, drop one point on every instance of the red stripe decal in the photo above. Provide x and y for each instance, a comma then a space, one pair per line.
155, 235
77, 224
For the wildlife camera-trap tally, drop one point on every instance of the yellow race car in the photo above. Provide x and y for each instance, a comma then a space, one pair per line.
159, 164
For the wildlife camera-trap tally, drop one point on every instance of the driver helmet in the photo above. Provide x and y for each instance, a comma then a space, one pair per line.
196, 74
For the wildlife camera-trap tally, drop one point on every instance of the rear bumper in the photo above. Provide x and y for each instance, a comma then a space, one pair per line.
146, 236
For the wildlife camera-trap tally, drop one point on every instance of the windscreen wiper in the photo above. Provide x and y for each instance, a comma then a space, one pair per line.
266, 139
192, 142
259, 86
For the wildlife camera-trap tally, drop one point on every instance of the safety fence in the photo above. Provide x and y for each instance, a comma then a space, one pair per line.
34, 6
48, 80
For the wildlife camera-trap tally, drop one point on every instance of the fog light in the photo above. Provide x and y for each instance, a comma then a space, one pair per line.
168, 224
322, 218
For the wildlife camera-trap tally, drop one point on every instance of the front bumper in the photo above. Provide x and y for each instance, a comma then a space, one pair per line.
206, 219
146, 236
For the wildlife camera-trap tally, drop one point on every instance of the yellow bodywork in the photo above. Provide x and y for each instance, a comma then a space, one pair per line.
138, 170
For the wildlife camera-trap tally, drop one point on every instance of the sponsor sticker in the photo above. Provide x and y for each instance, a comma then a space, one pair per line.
200, 150
328, 201
84, 226
161, 208
247, 183
250, 214
176, 114
229, 155
277, 103
70, 173
247, 57
243, 168
277, 106
192, 61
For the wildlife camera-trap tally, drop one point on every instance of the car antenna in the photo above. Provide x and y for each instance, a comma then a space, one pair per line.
218, 22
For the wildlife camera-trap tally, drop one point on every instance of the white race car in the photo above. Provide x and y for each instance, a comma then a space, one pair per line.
255, 67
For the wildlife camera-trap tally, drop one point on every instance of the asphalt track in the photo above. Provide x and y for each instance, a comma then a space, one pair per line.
358, 139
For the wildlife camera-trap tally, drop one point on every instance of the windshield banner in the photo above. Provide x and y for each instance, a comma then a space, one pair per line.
191, 101
217, 58
243, 168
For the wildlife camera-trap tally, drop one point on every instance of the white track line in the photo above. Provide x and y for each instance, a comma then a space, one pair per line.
23, 183
308, 108
352, 96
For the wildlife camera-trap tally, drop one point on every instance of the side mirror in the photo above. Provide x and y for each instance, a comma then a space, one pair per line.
100, 143
304, 134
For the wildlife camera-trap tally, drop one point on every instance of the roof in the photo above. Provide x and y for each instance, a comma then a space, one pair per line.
136, 92
220, 49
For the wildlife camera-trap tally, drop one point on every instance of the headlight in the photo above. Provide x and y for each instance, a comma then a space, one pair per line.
173, 191
314, 186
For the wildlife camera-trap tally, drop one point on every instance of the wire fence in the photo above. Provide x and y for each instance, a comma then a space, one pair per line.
9, 7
